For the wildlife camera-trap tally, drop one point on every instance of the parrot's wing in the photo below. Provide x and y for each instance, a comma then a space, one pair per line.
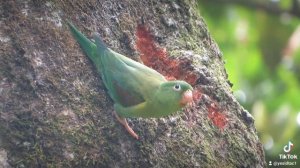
141, 68
124, 96
128, 85
128, 82
119, 79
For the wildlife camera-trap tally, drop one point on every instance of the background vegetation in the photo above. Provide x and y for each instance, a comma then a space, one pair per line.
260, 41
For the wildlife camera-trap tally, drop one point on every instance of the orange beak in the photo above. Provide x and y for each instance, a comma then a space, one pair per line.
187, 97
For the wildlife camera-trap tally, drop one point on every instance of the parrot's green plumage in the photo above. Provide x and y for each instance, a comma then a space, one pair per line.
137, 90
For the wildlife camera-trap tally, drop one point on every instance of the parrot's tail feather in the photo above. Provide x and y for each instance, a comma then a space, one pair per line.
99, 42
88, 46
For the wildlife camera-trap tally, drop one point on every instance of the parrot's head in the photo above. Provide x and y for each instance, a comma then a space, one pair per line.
177, 92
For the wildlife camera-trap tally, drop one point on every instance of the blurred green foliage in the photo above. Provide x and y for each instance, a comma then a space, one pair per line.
265, 80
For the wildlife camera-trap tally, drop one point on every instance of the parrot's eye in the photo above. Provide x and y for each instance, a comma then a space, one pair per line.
177, 87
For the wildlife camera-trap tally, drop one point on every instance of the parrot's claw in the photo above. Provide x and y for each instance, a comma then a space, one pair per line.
125, 124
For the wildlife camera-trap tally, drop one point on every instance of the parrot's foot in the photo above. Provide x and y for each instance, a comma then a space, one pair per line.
125, 124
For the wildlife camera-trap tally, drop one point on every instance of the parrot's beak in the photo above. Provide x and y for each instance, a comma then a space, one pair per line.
187, 97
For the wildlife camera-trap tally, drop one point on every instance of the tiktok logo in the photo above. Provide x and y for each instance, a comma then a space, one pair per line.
287, 148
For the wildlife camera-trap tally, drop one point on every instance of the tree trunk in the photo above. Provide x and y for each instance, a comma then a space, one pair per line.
54, 109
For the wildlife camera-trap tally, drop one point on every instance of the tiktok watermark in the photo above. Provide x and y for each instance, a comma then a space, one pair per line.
287, 148
286, 158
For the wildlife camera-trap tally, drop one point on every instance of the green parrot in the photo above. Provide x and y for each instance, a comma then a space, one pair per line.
137, 90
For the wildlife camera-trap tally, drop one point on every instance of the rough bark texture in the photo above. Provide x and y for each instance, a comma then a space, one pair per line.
54, 111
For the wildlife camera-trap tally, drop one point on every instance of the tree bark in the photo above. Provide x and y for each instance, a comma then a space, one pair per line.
55, 112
